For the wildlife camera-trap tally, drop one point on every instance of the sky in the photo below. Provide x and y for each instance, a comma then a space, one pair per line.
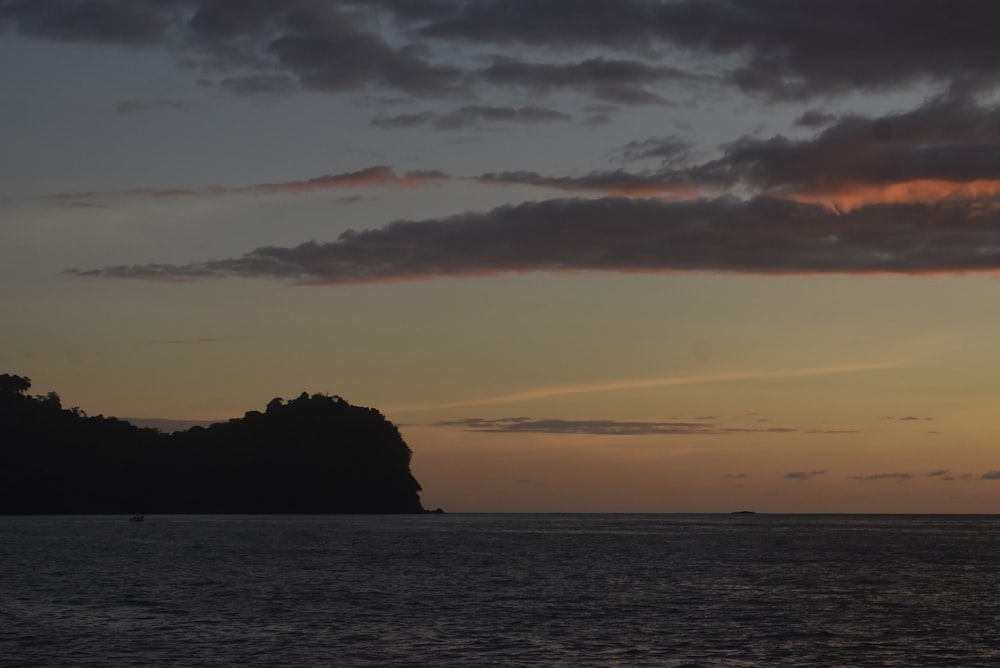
587, 255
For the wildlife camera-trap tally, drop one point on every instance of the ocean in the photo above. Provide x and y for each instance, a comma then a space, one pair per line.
500, 590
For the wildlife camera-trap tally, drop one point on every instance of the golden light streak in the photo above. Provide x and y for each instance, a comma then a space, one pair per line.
639, 383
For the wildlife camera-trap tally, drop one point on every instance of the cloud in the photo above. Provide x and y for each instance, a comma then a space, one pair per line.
814, 118
765, 430
991, 475
140, 105
789, 51
404, 120
471, 116
131, 24
883, 476
618, 182
759, 236
592, 427
792, 50
618, 81
324, 46
945, 149
605, 427
670, 150
797, 475
259, 84
624, 24
803, 475
380, 176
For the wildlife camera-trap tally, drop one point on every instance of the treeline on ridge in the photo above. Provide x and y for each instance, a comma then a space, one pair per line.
312, 454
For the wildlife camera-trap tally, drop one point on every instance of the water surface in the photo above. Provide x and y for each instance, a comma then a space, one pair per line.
500, 590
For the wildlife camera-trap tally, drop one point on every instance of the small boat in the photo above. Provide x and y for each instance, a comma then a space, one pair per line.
138, 517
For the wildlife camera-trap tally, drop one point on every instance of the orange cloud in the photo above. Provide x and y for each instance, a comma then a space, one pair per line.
917, 191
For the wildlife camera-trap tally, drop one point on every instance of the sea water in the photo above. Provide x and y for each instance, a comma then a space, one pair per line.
500, 590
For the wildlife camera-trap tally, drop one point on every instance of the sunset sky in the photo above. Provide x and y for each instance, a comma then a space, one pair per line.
588, 255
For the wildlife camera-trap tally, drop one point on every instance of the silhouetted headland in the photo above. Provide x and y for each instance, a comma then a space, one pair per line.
312, 454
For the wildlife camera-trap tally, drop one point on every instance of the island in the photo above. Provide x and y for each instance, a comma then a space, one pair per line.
312, 454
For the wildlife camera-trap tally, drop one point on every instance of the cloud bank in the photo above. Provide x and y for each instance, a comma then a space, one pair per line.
911, 192
759, 236
608, 50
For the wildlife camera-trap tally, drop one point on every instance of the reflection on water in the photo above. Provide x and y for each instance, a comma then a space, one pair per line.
501, 590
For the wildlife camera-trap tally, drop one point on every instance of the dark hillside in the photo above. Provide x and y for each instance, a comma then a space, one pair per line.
313, 454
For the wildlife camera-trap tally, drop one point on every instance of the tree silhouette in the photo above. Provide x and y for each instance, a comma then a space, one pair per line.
14, 384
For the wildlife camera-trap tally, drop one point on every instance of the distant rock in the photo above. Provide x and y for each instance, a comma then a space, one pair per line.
743, 512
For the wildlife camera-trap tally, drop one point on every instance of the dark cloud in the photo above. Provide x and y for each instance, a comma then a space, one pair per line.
326, 46
991, 475
771, 48
883, 476
472, 116
404, 120
788, 50
617, 182
258, 84
121, 22
814, 118
618, 81
669, 150
139, 105
761, 235
948, 147
803, 475
624, 24
939, 474
340, 60
596, 427
380, 176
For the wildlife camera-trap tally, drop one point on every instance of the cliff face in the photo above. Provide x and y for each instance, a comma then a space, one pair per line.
313, 454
